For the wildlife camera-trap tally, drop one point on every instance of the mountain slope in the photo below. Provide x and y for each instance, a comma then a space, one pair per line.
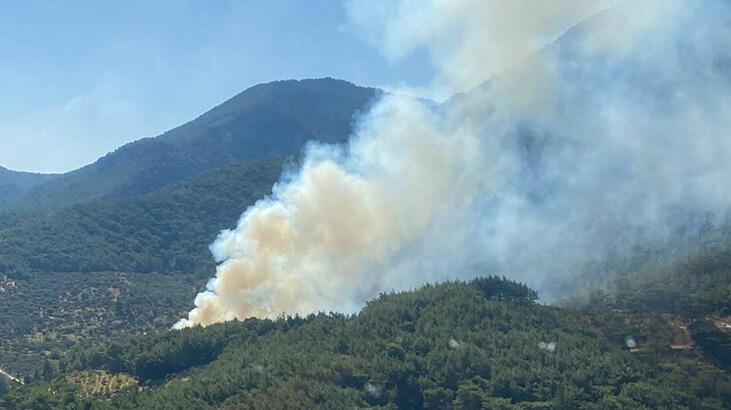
164, 231
88, 272
14, 185
264, 121
482, 344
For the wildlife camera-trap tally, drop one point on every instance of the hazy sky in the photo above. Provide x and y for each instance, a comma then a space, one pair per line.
80, 78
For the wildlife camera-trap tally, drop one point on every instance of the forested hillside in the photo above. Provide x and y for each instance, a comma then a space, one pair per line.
45, 315
14, 185
691, 296
165, 231
483, 344
265, 121
108, 268
101, 268
371, 247
90, 255
694, 286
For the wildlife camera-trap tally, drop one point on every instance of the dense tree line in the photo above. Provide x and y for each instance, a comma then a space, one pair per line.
447, 345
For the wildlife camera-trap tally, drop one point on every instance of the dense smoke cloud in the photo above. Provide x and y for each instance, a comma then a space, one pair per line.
468, 40
613, 135
328, 236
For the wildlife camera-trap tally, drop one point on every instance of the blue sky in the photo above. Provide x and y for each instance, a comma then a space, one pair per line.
80, 78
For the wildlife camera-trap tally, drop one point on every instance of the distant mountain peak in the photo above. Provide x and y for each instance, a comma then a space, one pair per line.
264, 121
15, 184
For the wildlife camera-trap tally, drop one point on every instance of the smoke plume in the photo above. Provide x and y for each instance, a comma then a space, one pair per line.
580, 128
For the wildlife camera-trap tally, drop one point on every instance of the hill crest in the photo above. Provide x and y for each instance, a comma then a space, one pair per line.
264, 121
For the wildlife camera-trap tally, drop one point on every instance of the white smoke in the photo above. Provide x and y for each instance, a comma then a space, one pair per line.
468, 40
595, 142
326, 238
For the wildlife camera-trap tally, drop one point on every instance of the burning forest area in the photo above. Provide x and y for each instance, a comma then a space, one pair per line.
439, 204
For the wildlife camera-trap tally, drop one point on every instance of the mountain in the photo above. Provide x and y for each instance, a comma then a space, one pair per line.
97, 261
164, 231
268, 120
14, 185
105, 269
482, 344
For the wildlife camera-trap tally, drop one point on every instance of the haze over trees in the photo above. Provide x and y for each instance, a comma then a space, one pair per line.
14, 185
483, 344
127, 260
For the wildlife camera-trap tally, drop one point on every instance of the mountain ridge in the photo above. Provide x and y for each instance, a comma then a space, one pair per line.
264, 121
15, 184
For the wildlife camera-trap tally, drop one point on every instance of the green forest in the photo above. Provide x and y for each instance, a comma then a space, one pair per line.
480, 344
164, 231
90, 293
115, 267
